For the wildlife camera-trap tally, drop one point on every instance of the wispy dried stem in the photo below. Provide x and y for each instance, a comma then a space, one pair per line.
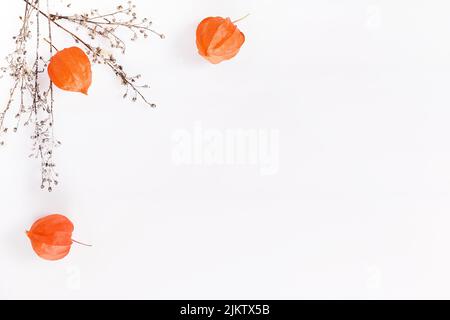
107, 29
36, 105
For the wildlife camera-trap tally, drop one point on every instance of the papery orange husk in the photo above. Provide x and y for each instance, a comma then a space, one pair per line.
51, 237
218, 39
70, 70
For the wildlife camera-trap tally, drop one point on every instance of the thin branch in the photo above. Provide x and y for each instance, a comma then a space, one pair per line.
117, 24
89, 47
35, 104
51, 46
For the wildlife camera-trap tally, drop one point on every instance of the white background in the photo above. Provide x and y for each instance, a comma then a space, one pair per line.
358, 208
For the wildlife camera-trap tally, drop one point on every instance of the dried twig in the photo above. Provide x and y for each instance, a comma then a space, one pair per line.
36, 105
103, 56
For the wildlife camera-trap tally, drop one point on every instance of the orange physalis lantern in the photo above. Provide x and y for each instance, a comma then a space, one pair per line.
70, 70
51, 237
219, 39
